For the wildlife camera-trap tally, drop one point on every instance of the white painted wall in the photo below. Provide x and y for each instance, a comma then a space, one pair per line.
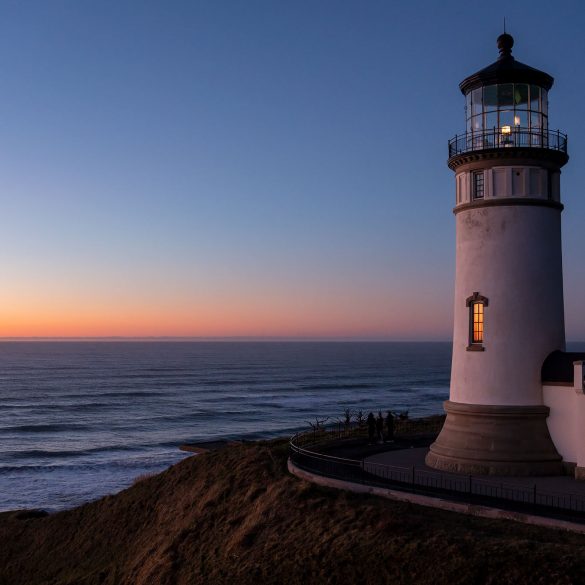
566, 421
510, 254
562, 420
510, 181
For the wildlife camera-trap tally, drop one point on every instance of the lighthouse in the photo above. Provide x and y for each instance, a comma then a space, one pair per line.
509, 327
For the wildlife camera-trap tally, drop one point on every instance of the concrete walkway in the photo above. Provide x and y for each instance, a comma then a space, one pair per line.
442, 504
563, 484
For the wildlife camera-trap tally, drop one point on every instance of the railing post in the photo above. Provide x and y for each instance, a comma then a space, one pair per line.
534, 495
470, 479
413, 472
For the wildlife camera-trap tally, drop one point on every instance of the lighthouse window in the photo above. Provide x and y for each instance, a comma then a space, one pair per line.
476, 105
506, 94
491, 120
506, 120
497, 112
478, 185
535, 98
490, 97
477, 323
521, 118
476, 304
535, 125
521, 96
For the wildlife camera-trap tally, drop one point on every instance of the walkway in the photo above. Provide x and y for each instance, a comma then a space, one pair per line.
416, 457
400, 465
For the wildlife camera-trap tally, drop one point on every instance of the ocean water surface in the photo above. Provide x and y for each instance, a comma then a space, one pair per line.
79, 420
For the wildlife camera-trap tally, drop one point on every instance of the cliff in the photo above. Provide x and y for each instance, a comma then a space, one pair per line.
236, 516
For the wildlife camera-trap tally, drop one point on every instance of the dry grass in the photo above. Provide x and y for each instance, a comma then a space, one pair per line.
237, 517
142, 477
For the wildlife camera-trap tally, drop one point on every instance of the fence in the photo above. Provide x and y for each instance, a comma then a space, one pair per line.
514, 137
478, 490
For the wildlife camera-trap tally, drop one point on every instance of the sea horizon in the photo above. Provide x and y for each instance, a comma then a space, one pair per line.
82, 419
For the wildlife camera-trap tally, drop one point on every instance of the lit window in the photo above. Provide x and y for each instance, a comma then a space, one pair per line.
476, 304
477, 333
478, 185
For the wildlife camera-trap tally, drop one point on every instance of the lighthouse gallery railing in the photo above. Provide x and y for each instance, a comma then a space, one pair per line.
508, 137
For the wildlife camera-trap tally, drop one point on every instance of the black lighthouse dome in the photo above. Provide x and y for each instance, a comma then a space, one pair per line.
506, 106
506, 70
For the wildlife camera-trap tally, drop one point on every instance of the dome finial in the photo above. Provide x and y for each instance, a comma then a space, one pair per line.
505, 44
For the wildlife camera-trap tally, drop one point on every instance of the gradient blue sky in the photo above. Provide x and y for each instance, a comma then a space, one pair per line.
256, 168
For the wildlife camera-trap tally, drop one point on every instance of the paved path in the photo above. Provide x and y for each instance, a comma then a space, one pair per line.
416, 457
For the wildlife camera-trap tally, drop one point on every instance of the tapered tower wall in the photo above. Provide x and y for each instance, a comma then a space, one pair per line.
510, 254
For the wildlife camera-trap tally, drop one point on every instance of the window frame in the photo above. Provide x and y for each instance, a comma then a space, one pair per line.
475, 175
475, 300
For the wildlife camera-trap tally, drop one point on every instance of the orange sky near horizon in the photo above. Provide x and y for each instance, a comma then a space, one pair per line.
258, 181
248, 316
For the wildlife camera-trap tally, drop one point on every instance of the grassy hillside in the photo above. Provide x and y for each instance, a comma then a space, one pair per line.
237, 517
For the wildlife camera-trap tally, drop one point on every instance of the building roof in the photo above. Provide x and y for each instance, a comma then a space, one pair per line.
506, 70
558, 366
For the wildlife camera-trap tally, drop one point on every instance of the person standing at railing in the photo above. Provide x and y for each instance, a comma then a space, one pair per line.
390, 426
380, 427
371, 422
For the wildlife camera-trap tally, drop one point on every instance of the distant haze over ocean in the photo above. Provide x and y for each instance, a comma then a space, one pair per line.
82, 419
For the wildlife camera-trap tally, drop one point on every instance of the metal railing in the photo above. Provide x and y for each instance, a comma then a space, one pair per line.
514, 137
304, 453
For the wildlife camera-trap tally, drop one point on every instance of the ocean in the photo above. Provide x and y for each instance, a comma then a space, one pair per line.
79, 420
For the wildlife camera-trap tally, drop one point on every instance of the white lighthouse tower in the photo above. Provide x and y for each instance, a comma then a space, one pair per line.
509, 314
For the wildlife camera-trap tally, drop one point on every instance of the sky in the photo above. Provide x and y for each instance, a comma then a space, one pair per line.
254, 169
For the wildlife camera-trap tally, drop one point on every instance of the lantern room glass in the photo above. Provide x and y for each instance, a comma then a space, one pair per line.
505, 108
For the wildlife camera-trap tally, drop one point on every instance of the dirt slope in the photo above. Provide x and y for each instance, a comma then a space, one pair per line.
237, 517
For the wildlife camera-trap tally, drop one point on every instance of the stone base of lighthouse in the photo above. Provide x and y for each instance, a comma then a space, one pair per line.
495, 440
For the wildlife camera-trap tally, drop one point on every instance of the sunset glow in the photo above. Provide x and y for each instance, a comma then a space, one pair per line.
248, 317
188, 170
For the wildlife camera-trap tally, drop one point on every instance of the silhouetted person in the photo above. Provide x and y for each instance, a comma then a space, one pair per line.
380, 427
371, 422
390, 426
